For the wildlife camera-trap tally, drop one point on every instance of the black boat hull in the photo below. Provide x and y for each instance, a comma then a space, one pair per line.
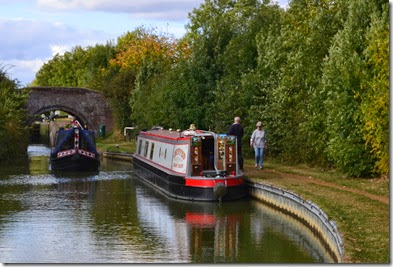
74, 163
175, 186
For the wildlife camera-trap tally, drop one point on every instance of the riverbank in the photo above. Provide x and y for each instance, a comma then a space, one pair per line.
115, 143
360, 207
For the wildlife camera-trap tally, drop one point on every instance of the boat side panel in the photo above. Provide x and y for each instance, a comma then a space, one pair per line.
164, 181
162, 153
170, 156
175, 186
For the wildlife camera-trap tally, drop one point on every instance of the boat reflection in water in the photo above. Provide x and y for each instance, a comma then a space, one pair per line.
243, 231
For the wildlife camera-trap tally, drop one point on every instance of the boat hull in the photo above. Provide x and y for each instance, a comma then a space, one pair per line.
175, 185
74, 163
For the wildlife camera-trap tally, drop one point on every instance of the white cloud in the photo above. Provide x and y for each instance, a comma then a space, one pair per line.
33, 65
26, 44
28, 39
23, 70
59, 49
148, 9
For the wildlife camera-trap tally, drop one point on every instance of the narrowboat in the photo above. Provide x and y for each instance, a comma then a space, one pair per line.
192, 165
75, 150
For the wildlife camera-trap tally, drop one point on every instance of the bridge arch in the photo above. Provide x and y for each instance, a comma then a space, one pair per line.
79, 116
86, 105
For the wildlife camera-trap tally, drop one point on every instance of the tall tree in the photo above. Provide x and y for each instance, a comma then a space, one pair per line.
223, 37
13, 132
375, 89
341, 83
147, 56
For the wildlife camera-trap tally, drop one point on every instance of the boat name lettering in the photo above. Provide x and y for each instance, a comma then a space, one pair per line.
178, 165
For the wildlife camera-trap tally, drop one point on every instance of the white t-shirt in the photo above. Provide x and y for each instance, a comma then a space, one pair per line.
258, 138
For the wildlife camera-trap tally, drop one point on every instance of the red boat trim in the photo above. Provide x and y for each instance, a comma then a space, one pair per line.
211, 182
76, 140
66, 153
73, 151
169, 142
166, 137
86, 153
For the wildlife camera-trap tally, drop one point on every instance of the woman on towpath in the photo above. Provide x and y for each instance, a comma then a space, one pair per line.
258, 141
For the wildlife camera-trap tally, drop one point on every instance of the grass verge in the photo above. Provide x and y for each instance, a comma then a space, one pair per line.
115, 142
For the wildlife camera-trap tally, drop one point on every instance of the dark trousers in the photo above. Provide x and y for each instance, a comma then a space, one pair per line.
240, 157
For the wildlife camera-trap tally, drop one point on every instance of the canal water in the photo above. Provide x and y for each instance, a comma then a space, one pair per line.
112, 217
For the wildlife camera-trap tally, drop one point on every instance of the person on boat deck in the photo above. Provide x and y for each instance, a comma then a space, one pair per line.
258, 141
237, 130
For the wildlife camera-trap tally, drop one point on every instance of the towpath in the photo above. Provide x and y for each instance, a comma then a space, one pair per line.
300, 180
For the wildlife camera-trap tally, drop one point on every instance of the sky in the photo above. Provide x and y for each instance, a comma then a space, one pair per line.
33, 31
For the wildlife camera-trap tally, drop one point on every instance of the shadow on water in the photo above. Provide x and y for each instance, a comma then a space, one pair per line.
112, 217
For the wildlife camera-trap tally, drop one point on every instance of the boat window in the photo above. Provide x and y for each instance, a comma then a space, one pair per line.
140, 147
146, 149
165, 154
152, 151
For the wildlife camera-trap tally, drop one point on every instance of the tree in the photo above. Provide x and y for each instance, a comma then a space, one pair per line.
375, 89
13, 133
78, 68
341, 83
142, 58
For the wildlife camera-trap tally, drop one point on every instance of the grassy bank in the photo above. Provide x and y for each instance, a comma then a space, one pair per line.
115, 142
360, 207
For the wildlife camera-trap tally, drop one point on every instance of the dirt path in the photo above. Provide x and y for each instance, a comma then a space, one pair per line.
304, 179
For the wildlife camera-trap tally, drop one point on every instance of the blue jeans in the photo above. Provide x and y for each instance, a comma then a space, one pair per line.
258, 156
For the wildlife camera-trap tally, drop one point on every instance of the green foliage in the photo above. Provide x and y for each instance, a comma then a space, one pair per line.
13, 133
78, 68
316, 75
150, 57
375, 89
341, 83
117, 86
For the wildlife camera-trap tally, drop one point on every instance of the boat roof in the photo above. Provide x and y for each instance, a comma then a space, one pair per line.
176, 134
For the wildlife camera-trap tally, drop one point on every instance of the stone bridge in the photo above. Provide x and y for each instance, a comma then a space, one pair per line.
86, 105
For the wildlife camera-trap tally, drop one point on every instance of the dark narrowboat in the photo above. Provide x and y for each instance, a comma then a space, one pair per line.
193, 164
75, 150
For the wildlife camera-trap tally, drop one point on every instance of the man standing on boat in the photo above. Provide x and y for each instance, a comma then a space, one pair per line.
237, 130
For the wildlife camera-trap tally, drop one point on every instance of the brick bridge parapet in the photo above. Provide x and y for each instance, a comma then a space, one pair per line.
86, 105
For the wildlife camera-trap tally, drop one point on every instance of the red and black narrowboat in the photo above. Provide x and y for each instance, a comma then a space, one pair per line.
75, 150
193, 164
